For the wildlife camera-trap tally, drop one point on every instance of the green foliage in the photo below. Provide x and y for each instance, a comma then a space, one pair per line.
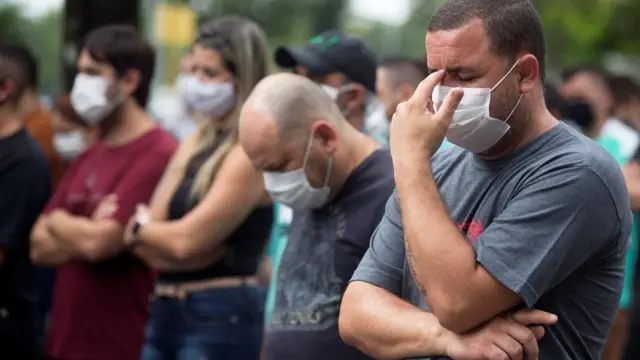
11, 24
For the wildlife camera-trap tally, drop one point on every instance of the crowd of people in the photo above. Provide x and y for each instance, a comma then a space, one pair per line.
348, 207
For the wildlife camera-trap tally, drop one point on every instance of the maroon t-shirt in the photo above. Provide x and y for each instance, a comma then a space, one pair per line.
100, 310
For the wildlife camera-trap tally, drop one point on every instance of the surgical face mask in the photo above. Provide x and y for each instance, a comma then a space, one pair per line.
69, 145
214, 100
89, 98
292, 188
472, 126
334, 93
182, 84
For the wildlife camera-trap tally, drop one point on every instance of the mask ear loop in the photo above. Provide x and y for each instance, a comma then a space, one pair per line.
505, 75
329, 168
514, 108
307, 152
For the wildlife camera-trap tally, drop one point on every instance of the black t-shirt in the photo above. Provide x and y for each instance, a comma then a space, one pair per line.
25, 187
324, 248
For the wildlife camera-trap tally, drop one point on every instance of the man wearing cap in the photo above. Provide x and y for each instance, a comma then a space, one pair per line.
346, 67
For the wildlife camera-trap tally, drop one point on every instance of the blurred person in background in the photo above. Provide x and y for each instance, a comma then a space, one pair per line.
622, 142
626, 98
210, 217
346, 68
397, 79
101, 295
25, 187
337, 180
72, 135
576, 114
37, 119
626, 94
591, 85
445, 264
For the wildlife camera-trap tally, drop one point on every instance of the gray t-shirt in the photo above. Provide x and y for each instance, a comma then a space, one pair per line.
323, 250
551, 222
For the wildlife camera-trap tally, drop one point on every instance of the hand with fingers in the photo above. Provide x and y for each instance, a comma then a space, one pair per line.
507, 337
106, 208
416, 129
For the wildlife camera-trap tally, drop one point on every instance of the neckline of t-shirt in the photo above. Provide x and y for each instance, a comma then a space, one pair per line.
133, 143
356, 174
18, 134
534, 145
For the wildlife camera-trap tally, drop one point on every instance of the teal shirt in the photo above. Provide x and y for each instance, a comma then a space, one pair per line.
614, 148
277, 245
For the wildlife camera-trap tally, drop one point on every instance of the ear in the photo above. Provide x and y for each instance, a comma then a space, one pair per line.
529, 70
354, 98
6, 88
325, 135
130, 81
404, 92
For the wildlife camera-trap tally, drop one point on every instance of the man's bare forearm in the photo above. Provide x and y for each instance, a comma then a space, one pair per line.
383, 326
46, 249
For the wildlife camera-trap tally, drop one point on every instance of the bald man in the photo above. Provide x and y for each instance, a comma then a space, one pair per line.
337, 181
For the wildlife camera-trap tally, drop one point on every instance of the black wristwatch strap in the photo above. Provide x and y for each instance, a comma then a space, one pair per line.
135, 232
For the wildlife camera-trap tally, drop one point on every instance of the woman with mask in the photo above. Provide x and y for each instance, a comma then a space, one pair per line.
210, 217
186, 124
71, 134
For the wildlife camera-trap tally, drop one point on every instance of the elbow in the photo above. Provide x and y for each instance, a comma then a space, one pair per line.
37, 253
352, 323
453, 315
348, 321
37, 256
183, 250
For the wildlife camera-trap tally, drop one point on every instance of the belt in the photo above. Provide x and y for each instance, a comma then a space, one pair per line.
181, 291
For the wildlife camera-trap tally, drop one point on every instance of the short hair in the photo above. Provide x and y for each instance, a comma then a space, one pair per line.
12, 67
624, 89
295, 102
405, 70
512, 26
122, 47
596, 73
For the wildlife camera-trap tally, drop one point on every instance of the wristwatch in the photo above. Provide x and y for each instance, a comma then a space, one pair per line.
141, 220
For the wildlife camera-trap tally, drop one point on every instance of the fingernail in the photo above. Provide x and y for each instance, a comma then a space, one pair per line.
553, 318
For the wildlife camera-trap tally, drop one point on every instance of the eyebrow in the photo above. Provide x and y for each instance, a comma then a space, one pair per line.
458, 69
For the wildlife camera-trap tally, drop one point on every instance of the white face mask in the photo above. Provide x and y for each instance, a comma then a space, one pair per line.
89, 98
182, 84
69, 145
472, 126
215, 99
292, 188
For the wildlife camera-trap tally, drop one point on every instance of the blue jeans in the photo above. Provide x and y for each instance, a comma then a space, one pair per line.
218, 324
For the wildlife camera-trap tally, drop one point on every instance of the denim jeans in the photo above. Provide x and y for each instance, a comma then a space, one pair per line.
218, 324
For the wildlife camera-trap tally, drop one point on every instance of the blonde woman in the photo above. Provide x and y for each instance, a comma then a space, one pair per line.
210, 217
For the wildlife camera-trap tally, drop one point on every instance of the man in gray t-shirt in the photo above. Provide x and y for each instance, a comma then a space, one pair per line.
525, 213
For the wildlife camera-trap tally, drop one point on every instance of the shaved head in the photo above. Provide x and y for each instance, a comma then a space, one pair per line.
289, 122
294, 103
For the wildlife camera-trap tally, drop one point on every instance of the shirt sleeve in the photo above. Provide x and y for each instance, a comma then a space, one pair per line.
138, 185
383, 263
549, 229
14, 204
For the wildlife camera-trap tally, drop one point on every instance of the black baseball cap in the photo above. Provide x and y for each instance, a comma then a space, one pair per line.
333, 51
